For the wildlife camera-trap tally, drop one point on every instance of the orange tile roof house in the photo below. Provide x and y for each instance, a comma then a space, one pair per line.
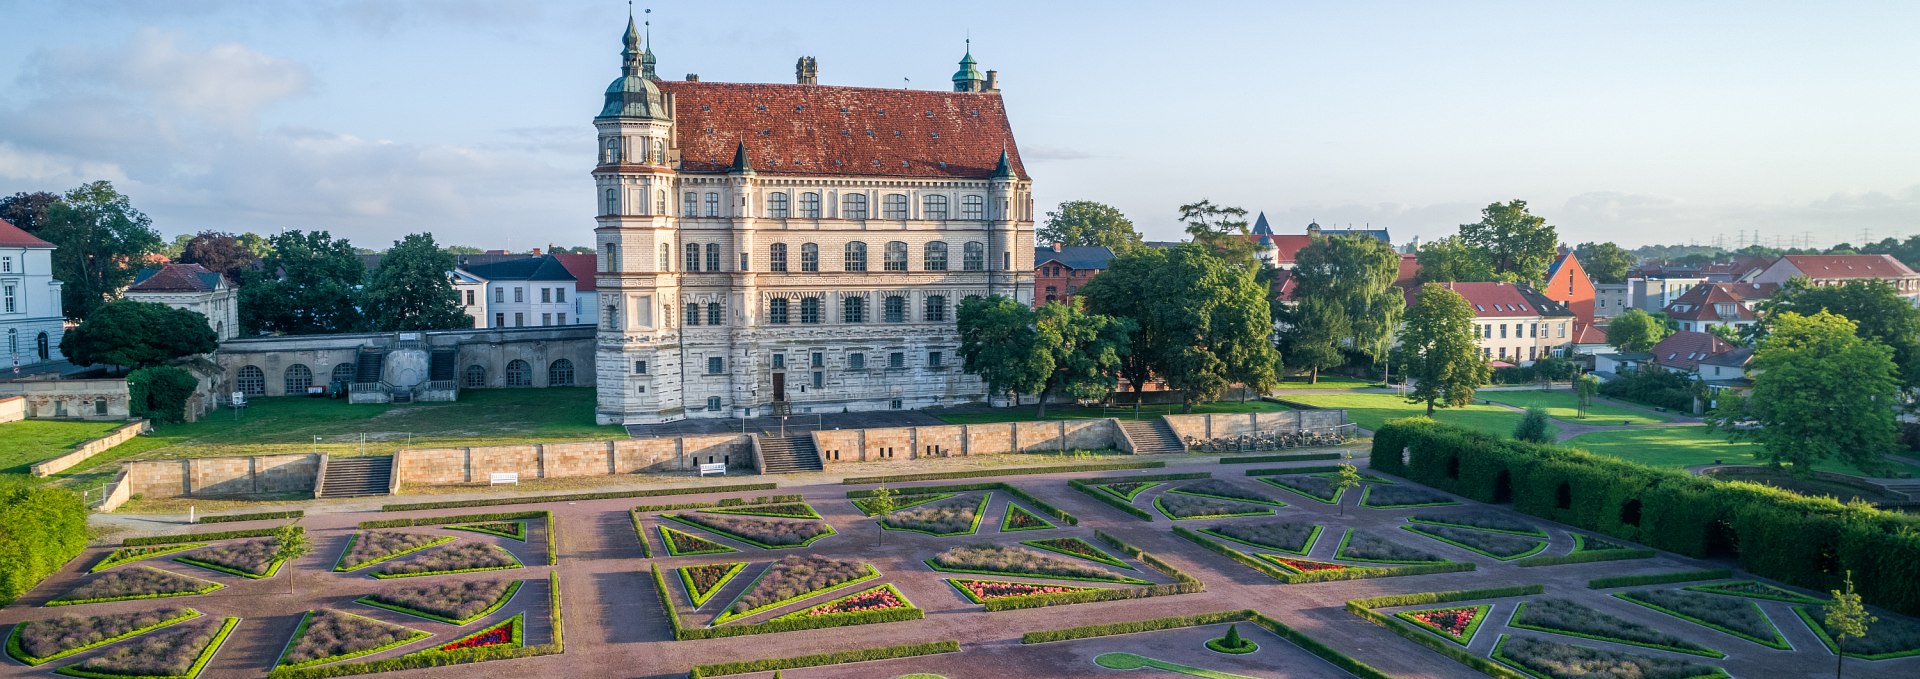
1710, 304
31, 321
1516, 324
1567, 283
1836, 269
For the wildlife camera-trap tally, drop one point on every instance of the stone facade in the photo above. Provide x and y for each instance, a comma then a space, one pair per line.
483, 358
224, 476
443, 466
31, 321
1216, 425
840, 446
103, 399
12, 409
90, 448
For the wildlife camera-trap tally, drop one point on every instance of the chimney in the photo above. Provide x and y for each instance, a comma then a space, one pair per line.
693, 77
1056, 247
993, 81
807, 71
536, 252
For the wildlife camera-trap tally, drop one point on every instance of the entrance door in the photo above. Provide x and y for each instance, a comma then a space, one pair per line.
779, 387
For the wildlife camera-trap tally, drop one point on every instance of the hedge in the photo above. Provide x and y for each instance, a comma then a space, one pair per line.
1279, 629
199, 537
257, 516
1087, 486
434, 657
1291, 578
1038, 504
723, 502
1277, 471
1016, 471
1804, 541
41, 529
553, 544
1365, 609
1296, 457
1659, 578
840, 658
531, 499
1587, 557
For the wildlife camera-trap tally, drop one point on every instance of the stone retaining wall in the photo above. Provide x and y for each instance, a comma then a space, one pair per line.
92, 447
1214, 425
839, 446
12, 409
441, 466
224, 476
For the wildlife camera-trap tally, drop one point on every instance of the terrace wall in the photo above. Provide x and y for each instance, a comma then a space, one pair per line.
224, 476
1233, 424
12, 409
839, 446
474, 464
92, 447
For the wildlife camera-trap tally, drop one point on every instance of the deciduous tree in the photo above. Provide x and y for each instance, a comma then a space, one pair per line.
1123, 291
1636, 330
1605, 262
138, 334
1516, 242
1085, 222
1213, 326
1082, 349
1875, 306
1348, 476
308, 285
222, 252
101, 241
1452, 260
996, 343
1220, 227
1346, 299
1533, 427
27, 210
1846, 618
1820, 392
411, 291
1437, 343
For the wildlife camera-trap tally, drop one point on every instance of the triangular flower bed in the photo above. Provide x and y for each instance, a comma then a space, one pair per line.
1393, 497
327, 635
1582, 543
1004, 560
1316, 488
1502, 546
126, 555
516, 530
793, 579
1755, 589
958, 516
1891, 637
367, 548
1280, 536
1216, 488
865, 505
1303, 565
705, 580
40, 641
180, 652
1457, 624
455, 602
1019, 519
1540, 658
982, 591
682, 543
1742, 619
1565, 616
1181, 507
144, 582
1127, 490
464, 558
760, 532
882, 598
1078, 548
245, 558
508, 633
785, 510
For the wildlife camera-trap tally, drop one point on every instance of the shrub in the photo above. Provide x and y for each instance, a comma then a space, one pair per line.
1019, 519
1739, 617
200, 537
1015, 491
512, 530
1002, 560
1365, 609
41, 529
1360, 545
327, 635
882, 598
53, 638
1659, 578
1384, 497
576, 497
1757, 590
1177, 506
768, 533
1499, 522
705, 580
792, 578
865, 505
1555, 659
959, 516
457, 602
681, 543
1222, 489
1661, 388
177, 652
1285, 536
160, 393
789, 510
1497, 545
1283, 471
1534, 427
256, 516
472, 556
982, 591
141, 582
1017, 471
374, 546
1586, 557
1127, 490
1564, 616
250, 558
1297, 457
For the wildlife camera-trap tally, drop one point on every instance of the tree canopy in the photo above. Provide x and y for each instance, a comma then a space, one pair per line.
222, 252
1122, 291
1820, 392
1085, 222
1636, 330
1437, 344
309, 284
1514, 241
1605, 262
1056, 349
1220, 227
411, 291
101, 242
1875, 306
137, 335
1453, 260
1345, 299
1199, 322
27, 210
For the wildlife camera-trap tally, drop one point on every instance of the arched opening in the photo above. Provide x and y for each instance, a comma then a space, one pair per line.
475, 377
1827, 557
342, 373
43, 347
519, 374
1563, 496
297, 378
1722, 540
251, 380
1453, 467
1503, 487
1630, 513
560, 373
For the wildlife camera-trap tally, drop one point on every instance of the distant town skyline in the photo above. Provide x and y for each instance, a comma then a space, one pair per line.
1669, 124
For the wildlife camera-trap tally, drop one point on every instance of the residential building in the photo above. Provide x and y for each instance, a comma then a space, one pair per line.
522, 293
30, 315
1058, 272
194, 288
472, 293
1653, 292
1588, 340
1837, 269
1711, 304
1514, 324
586, 289
1281, 251
772, 248
1568, 284
1721, 364
1611, 299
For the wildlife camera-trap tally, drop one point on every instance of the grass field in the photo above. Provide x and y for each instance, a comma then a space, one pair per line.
1025, 413
1562, 405
1327, 382
27, 442
1372, 410
1686, 447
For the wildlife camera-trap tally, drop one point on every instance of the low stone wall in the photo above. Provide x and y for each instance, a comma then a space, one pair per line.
441, 466
1214, 425
839, 446
224, 476
92, 447
12, 409
98, 399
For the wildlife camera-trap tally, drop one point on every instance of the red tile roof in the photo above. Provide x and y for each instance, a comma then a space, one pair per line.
15, 237
1828, 267
1588, 333
176, 278
1684, 350
816, 129
1502, 300
1409, 276
1286, 248
1699, 302
583, 267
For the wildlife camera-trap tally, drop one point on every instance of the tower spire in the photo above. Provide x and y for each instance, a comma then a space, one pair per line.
968, 78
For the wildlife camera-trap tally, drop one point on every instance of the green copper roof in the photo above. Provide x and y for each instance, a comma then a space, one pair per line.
633, 94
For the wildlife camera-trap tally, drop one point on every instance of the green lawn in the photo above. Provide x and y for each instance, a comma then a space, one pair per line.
1372, 410
24, 443
1327, 382
1562, 405
1025, 413
1683, 447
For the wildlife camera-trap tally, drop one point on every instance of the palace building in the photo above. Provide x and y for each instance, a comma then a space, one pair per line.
796, 248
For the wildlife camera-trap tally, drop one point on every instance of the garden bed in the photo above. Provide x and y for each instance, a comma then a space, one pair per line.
1303, 565
1888, 638
327, 635
1564, 616
958, 516
508, 633
455, 603
144, 582
882, 598
1127, 490
1280, 536
246, 558
367, 548
516, 530
40, 641
682, 543
1457, 624
1002, 560
1502, 546
126, 555
1216, 488
1019, 519
759, 532
467, 558
1079, 549
982, 591
1360, 545
1395, 497
784, 510
1184, 507
1755, 589
865, 504
793, 579
1491, 521
1740, 618
1317, 488
706, 580
1555, 660
181, 652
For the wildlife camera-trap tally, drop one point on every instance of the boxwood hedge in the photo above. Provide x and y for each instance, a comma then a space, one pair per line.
41, 529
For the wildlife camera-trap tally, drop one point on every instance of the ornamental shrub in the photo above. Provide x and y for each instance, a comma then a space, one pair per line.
1533, 427
41, 528
160, 393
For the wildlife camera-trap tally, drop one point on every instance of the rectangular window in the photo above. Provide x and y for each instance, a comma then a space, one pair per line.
716, 365
713, 204
561, 318
519, 320
713, 256
499, 294
560, 295
546, 319
690, 204
1503, 331
1533, 330
6, 265
856, 361
12, 305
519, 294
546, 295
469, 298
777, 257
933, 359
779, 360
1563, 329
971, 207
639, 367
819, 359
897, 359
819, 379
499, 320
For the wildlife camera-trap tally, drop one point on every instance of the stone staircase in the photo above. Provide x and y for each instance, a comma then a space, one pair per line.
786, 454
367, 366
357, 476
440, 366
1152, 437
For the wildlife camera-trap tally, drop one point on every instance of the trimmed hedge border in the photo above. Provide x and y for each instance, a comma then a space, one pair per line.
201, 537
1306, 643
1265, 509
384, 576
686, 582
1039, 505
1587, 557
1104, 557
1366, 609
1540, 533
17, 653
1015, 471
108, 561
640, 533
1283, 471
1481, 613
1006, 519
1115, 580
272, 568
666, 540
1090, 487
308, 617
1536, 549
1778, 642
1183, 584
979, 512
822, 659
194, 670
512, 590
208, 589
1820, 630
1340, 553
475, 528
339, 565
830, 533
1297, 457
728, 616
1513, 622
1659, 578
533, 499
683, 633
553, 547
1796, 598
1367, 494
1291, 578
1312, 538
434, 657
256, 516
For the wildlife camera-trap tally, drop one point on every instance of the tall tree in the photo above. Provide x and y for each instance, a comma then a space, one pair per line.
27, 210
1085, 222
101, 241
1081, 351
256, 244
1213, 326
137, 335
1220, 227
996, 343
1317, 329
1605, 262
220, 251
411, 290
1123, 291
1516, 242
1875, 306
1347, 297
1437, 344
1820, 392
1636, 330
307, 286
1452, 260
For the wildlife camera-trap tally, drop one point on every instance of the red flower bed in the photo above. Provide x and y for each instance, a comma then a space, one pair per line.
1303, 565
878, 599
497, 636
1453, 621
992, 589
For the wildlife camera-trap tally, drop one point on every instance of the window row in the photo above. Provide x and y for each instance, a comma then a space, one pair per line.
1522, 330
893, 309
548, 295
782, 205
894, 257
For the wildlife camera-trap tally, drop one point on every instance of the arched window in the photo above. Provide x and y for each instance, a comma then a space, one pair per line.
560, 373
713, 313
713, 204
895, 257
475, 378
777, 311
853, 310
251, 381
853, 206
896, 309
809, 257
342, 373
935, 256
693, 314
297, 378
666, 257
660, 203
607, 257
690, 204
43, 347
972, 207
936, 308
713, 256
612, 312
777, 205
519, 374
693, 258
895, 206
933, 207
777, 257
613, 151
974, 256
810, 205
613, 202
856, 256
810, 310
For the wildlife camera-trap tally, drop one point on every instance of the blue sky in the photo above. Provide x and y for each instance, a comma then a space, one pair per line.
1635, 122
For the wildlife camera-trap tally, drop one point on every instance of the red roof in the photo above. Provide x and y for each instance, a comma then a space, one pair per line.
1828, 267
1588, 333
1409, 276
1701, 302
816, 129
176, 278
1684, 350
14, 237
582, 267
1501, 300
1286, 249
